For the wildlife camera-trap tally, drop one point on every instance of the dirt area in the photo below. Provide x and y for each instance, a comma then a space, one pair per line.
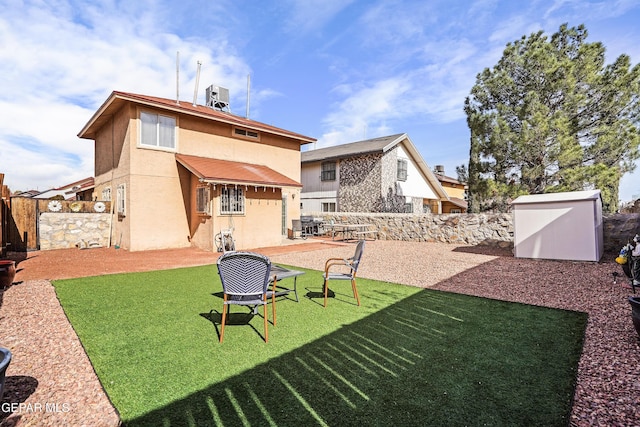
70, 263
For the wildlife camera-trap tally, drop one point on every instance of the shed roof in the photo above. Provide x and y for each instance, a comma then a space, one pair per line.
558, 197
230, 172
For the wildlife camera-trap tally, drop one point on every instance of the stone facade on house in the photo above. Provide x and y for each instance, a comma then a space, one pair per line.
359, 178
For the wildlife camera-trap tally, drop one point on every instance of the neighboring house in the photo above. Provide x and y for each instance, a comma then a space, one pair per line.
75, 191
384, 174
456, 190
179, 173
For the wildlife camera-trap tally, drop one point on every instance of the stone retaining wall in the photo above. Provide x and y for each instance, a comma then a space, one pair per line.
471, 229
66, 230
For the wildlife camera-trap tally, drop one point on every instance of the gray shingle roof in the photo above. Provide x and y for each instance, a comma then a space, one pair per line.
373, 145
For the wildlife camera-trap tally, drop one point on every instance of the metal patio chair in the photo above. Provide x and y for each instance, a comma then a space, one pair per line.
298, 229
5, 360
245, 281
351, 265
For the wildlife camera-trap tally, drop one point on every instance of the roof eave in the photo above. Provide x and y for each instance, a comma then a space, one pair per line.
84, 133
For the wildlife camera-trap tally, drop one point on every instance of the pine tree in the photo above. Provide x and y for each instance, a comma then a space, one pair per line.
550, 116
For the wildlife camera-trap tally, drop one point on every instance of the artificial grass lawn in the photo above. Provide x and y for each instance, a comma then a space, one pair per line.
406, 356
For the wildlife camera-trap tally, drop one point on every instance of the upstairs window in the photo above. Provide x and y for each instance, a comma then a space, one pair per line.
202, 200
106, 194
157, 130
246, 133
328, 171
231, 201
402, 169
328, 207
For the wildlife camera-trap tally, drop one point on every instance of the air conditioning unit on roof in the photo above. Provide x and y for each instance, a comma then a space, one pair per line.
218, 98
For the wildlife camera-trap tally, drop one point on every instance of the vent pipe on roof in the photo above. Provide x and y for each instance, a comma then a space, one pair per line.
178, 77
195, 91
439, 169
248, 93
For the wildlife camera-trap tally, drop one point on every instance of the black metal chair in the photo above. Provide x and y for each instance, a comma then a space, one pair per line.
351, 265
245, 281
5, 359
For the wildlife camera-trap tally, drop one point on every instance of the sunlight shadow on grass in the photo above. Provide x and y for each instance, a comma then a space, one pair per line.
405, 364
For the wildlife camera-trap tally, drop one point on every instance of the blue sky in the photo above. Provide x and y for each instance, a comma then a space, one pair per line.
339, 71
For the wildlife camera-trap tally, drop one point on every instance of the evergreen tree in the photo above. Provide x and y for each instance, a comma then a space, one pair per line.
550, 116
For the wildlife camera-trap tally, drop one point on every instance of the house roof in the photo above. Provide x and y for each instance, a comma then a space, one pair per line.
229, 172
448, 179
116, 100
68, 191
374, 145
377, 145
459, 202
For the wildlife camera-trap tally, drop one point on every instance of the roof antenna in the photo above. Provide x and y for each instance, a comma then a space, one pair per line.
248, 93
178, 77
195, 91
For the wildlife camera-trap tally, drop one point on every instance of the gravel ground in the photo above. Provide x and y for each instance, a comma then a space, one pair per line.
50, 366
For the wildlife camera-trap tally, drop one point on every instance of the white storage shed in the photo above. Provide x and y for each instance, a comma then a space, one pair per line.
564, 226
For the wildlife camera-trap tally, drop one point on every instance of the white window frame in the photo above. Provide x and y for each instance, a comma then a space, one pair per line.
328, 206
121, 200
164, 128
402, 172
202, 200
106, 194
232, 201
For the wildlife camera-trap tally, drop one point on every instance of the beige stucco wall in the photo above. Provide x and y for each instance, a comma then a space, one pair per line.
160, 193
453, 191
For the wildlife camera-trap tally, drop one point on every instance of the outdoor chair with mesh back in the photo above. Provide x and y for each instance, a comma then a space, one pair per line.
5, 360
349, 268
245, 281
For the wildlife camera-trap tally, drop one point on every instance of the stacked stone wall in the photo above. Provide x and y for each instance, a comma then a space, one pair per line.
68, 230
471, 229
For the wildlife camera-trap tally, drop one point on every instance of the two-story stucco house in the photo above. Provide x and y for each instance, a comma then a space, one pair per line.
179, 173
456, 190
385, 174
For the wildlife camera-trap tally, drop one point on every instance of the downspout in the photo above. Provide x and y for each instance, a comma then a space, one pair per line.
111, 183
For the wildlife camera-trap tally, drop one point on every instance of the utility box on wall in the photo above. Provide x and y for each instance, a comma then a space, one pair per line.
563, 226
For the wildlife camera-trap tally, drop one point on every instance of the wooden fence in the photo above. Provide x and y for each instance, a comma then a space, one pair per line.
5, 195
22, 225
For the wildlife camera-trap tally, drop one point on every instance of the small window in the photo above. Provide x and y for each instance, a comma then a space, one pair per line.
455, 211
408, 208
328, 207
202, 200
121, 202
328, 171
402, 170
246, 132
231, 201
106, 194
157, 131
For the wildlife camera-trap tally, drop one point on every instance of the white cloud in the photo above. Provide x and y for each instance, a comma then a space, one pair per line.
59, 62
311, 15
